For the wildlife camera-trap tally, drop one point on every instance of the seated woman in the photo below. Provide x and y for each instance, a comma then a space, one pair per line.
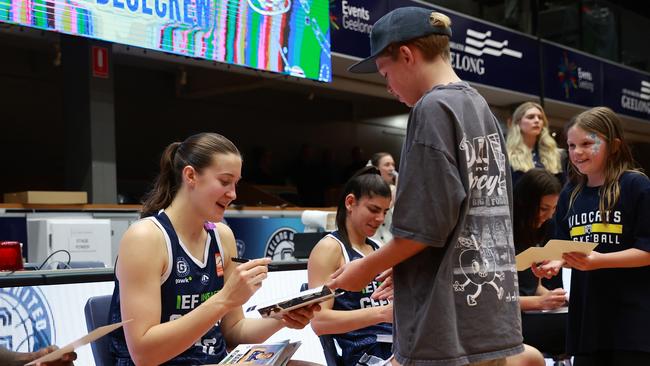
174, 276
535, 198
354, 319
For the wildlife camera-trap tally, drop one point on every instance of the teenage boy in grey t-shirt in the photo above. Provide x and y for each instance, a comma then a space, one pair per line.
455, 283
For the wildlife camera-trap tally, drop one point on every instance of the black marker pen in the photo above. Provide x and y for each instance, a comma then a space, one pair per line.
271, 267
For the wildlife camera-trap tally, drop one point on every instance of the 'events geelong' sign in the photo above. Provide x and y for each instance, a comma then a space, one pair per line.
285, 36
351, 23
571, 76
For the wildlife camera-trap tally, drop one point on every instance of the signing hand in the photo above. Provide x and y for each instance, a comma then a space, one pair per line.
299, 318
552, 299
547, 269
583, 262
245, 280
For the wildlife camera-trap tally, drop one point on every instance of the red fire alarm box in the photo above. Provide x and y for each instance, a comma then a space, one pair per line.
100, 62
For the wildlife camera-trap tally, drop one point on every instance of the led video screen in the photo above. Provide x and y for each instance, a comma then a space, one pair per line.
286, 36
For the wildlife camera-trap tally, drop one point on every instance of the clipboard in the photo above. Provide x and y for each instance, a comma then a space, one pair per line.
90, 337
278, 307
553, 250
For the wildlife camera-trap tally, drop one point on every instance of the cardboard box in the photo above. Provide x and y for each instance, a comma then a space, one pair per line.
47, 197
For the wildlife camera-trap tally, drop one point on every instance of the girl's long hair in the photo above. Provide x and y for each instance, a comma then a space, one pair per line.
605, 123
196, 151
527, 194
366, 182
521, 158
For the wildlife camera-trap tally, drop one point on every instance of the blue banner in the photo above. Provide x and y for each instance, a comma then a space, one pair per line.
480, 52
259, 237
490, 55
571, 76
626, 91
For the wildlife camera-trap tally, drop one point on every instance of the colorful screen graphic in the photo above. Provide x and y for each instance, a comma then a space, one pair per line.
286, 36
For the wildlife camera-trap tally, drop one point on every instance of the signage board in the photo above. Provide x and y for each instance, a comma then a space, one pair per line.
626, 91
571, 76
284, 36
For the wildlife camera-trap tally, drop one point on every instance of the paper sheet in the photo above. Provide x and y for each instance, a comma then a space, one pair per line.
553, 250
92, 336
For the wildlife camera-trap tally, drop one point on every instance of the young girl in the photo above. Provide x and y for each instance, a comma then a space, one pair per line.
174, 275
607, 202
530, 144
354, 318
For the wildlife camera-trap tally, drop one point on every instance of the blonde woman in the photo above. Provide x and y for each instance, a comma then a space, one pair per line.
530, 144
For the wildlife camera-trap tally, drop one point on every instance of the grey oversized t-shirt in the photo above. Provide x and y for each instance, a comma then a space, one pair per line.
456, 301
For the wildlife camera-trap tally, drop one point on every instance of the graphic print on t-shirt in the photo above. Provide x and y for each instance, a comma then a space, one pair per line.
483, 250
591, 227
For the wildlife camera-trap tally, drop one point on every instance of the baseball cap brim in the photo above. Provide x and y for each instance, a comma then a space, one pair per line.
366, 66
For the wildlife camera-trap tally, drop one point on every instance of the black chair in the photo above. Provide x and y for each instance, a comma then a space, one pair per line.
332, 357
96, 311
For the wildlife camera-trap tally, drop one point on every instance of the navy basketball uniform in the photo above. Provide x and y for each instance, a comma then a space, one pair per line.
356, 343
186, 284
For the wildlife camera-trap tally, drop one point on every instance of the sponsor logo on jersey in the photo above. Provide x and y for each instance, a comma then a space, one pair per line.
187, 279
219, 261
182, 267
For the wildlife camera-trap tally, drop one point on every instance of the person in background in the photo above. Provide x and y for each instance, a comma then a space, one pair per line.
530, 145
535, 199
354, 319
386, 165
174, 274
452, 253
10, 358
606, 201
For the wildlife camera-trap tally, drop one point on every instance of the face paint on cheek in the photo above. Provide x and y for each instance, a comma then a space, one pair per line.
595, 148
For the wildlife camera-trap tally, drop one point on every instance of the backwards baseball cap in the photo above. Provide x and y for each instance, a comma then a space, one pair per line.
400, 25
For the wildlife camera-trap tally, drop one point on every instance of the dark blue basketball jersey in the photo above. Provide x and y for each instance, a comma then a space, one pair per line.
186, 284
356, 343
